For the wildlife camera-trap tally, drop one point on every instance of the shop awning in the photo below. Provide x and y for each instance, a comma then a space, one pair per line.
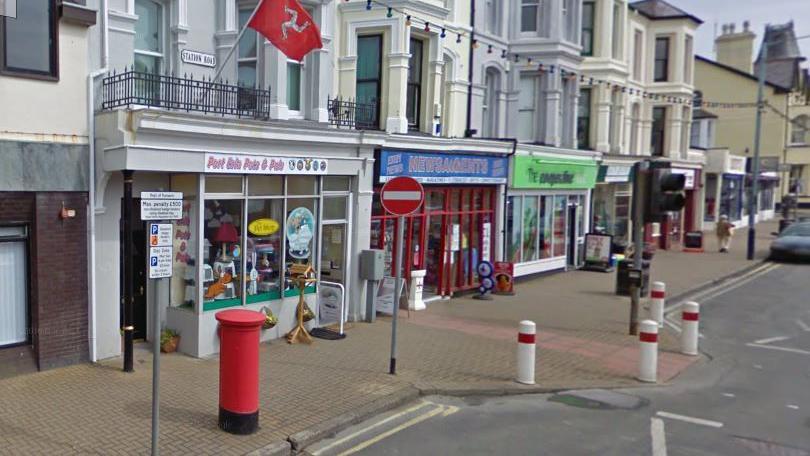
614, 173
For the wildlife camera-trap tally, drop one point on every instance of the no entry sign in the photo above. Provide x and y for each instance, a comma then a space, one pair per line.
402, 195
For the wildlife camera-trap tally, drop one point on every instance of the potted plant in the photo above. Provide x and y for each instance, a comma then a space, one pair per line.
169, 339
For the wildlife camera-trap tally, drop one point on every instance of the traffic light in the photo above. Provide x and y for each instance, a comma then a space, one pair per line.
665, 195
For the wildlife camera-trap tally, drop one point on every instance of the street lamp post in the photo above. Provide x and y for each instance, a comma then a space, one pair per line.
754, 195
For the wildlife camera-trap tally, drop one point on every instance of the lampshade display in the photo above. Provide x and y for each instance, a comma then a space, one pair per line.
226, 234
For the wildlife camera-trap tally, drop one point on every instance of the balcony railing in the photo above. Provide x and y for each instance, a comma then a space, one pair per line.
351, 114
184, 94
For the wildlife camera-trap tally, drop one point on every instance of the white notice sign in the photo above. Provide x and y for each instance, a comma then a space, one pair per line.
486, 240
160, 262
160, 234
455, 238
161, 209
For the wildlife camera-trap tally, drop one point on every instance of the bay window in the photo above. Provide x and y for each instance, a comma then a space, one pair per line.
369, 77
149, 45
661, 70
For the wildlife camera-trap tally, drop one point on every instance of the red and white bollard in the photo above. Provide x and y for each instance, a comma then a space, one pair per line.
689, 328
525, 352
648, 351
658, 293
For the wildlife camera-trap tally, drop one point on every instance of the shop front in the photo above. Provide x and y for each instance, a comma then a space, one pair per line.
547, 212
723, 187
455, 228
251, 211
612, 199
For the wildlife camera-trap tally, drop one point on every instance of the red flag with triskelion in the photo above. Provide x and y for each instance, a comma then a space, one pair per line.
287, 25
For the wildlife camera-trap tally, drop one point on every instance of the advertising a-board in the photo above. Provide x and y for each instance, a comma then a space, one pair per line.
504, 273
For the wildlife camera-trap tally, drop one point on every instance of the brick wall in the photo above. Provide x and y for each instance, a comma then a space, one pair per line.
58, 272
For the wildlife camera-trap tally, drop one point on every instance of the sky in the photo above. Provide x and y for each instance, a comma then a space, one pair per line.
758, 12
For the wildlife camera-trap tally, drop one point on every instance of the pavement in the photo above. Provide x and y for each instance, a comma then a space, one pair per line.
748, 397
457, 347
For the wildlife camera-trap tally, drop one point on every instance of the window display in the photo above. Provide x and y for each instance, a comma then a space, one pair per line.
264, 248
560, 202
222, 278
530, 232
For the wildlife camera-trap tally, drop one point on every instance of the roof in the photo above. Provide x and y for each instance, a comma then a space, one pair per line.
778, 88
701, 114
784, 55
659, 10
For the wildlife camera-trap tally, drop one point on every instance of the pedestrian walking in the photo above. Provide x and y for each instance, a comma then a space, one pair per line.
725, 230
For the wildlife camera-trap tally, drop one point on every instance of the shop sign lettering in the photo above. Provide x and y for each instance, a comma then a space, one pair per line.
256, 164
443, 168
550, 178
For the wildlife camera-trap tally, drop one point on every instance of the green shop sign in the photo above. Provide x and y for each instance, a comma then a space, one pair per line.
532, 172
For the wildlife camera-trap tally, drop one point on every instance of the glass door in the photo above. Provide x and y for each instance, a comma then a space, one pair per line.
14, 292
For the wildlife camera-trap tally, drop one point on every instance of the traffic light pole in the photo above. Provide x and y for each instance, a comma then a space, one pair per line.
639, 184
752, 199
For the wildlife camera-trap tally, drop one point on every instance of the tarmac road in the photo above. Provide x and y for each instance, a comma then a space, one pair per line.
751, 396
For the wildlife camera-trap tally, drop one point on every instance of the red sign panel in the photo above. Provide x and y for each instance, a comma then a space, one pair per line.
504, 277
402, 195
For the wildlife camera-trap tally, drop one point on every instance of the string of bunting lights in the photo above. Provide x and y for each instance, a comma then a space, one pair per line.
410, 19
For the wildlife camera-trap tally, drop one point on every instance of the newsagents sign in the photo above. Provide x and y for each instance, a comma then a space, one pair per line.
543, 173
433, 168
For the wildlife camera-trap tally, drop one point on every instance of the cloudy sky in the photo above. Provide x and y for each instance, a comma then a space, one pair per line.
759, 12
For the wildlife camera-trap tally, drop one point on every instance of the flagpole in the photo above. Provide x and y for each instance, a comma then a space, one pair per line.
236, 43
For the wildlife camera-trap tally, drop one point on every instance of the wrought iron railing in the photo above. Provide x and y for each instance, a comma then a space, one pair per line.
184, 94
351, 114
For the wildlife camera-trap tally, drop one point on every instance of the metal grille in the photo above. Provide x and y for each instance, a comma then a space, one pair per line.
351, 114
184, 94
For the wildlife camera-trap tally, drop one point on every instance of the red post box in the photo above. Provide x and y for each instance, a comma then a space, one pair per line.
239, 332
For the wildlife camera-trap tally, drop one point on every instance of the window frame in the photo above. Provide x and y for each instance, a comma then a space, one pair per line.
638, 55
417, 85
586, 144
26, 238
255, 59
799, 124
53, 54
664, 59
591, 27
378, 80
538, 5
492, 22
296, 113
536, 106
161, 38
617, 47
661, 141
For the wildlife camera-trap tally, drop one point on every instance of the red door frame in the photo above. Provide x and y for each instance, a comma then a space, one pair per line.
474, 219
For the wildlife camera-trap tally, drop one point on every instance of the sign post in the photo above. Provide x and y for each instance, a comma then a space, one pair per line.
400, 196
160, 208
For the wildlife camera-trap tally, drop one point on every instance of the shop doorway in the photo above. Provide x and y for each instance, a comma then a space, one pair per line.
139, 255
14, 308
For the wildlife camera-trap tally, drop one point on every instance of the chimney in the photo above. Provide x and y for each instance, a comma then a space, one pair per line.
736, 49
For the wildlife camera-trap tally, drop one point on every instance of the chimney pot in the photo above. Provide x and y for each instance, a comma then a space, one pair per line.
732, 27
746, 25
725, 29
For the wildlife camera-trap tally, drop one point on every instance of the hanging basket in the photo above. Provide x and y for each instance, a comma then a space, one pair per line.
270, 320
308, 313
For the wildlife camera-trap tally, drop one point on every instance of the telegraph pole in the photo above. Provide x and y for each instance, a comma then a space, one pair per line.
754, 191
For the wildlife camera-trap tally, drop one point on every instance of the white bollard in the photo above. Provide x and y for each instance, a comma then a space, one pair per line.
648, 351
689, 328
658, 293
525, 352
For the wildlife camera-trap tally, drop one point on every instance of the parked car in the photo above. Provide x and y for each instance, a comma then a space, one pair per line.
793, 243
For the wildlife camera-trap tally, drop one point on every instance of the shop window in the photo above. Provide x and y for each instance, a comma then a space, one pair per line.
337, 183
263, 249
14, 277
29, 44
661, 70
301, 228
222, 252
731, 196
560, 203
265, 185
530, 228
514, 228
185, 231
369, 77
435, 200
334, 208
223, 184
248, 57
545, 226
149, 36
414, 96
584, 119
588, 22
710, 206
302, 185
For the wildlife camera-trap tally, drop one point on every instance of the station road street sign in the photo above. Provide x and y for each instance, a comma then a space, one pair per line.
402, 195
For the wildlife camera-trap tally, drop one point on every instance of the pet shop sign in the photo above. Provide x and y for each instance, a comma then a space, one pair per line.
262, 164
